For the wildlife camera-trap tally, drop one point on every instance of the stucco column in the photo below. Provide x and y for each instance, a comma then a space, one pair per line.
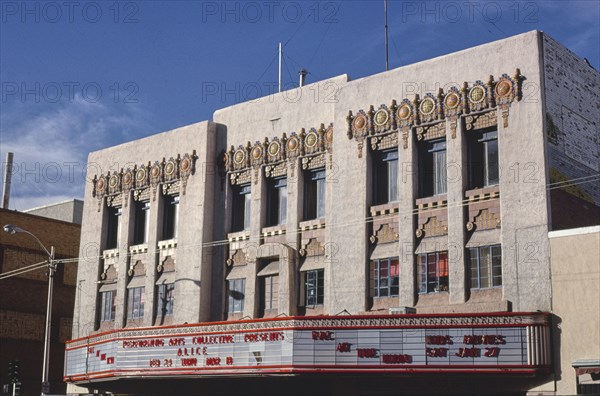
155, 213
407, 186
257, 214
456, 154
288, 283
127, 228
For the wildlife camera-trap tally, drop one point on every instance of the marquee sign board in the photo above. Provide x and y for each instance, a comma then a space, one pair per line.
401, 343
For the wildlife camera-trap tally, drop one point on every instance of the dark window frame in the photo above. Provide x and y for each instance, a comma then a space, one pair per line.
165, 299
113, 228
385, 176
108, 305
384, 284
276, 201
483, 155
235, 305
485, 275
135, 302
170, 217
314, 194
314, 287
433, 174
241, 203
141, 222
433, 273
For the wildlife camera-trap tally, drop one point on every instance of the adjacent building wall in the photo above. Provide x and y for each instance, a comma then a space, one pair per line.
575, 301
572, 93
70, 211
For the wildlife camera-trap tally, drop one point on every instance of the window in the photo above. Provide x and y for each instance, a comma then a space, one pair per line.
314, 194
270, 291
135, 303
107, 312
385, 177
241, 208
385, 277
235, 295
142, 221
433, 272
276, 201
314, 287
166, 294
170, 216
483, 159
432, 168
114, 227
486, 266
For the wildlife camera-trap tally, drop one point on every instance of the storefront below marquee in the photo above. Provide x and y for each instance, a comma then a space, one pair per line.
321, 350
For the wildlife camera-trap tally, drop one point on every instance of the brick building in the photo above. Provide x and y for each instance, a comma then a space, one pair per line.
284, 244
23, 298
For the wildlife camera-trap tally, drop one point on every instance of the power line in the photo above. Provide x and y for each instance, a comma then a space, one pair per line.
367, 220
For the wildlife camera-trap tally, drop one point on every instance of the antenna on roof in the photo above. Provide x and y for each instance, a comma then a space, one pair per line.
302, 73
386, 35
280, 62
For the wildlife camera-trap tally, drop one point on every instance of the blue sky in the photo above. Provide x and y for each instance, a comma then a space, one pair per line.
83, 75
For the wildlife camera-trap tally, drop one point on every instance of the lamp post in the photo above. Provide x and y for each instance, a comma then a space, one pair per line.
11, 229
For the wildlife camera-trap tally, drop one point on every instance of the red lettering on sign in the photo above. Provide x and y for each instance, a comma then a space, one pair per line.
214, 361
468, 352
343, 347
492, 352
189, 362
110, 360
488, 339
439, 340
262, 337
437, 352
323, 336
229, 360
396, 359
176, 341
367, 352
154, 362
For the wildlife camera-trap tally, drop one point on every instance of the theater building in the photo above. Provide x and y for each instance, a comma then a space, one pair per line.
373, 236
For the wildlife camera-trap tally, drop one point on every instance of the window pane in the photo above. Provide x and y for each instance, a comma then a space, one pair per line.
496, 266
439, 172
422, 273
320, 286
321, 198
282, 205
492, 174
393, 180
484, 266
474, 263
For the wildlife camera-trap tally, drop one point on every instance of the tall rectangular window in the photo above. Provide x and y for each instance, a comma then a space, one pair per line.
269, 291
486, 266
314, 283
166, 298
314, 194
385, 277
385, 177
113, 227
433, 272
483, 159
135, 303
235, 295
432, 168
241, 208
142, 222
170, 217
108, 307
276, 201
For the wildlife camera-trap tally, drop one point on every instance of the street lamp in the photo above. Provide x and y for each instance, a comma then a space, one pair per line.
11, 229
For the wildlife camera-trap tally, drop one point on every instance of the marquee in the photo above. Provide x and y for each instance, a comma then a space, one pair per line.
498, 343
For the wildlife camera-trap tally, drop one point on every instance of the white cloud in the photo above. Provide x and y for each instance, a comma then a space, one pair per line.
51, 146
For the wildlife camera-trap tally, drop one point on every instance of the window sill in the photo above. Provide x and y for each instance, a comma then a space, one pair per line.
312, 224
434, 293
137, 249
167, 244
480, 194
238, 236
384, 209
273, 230
434, 202
110, 253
